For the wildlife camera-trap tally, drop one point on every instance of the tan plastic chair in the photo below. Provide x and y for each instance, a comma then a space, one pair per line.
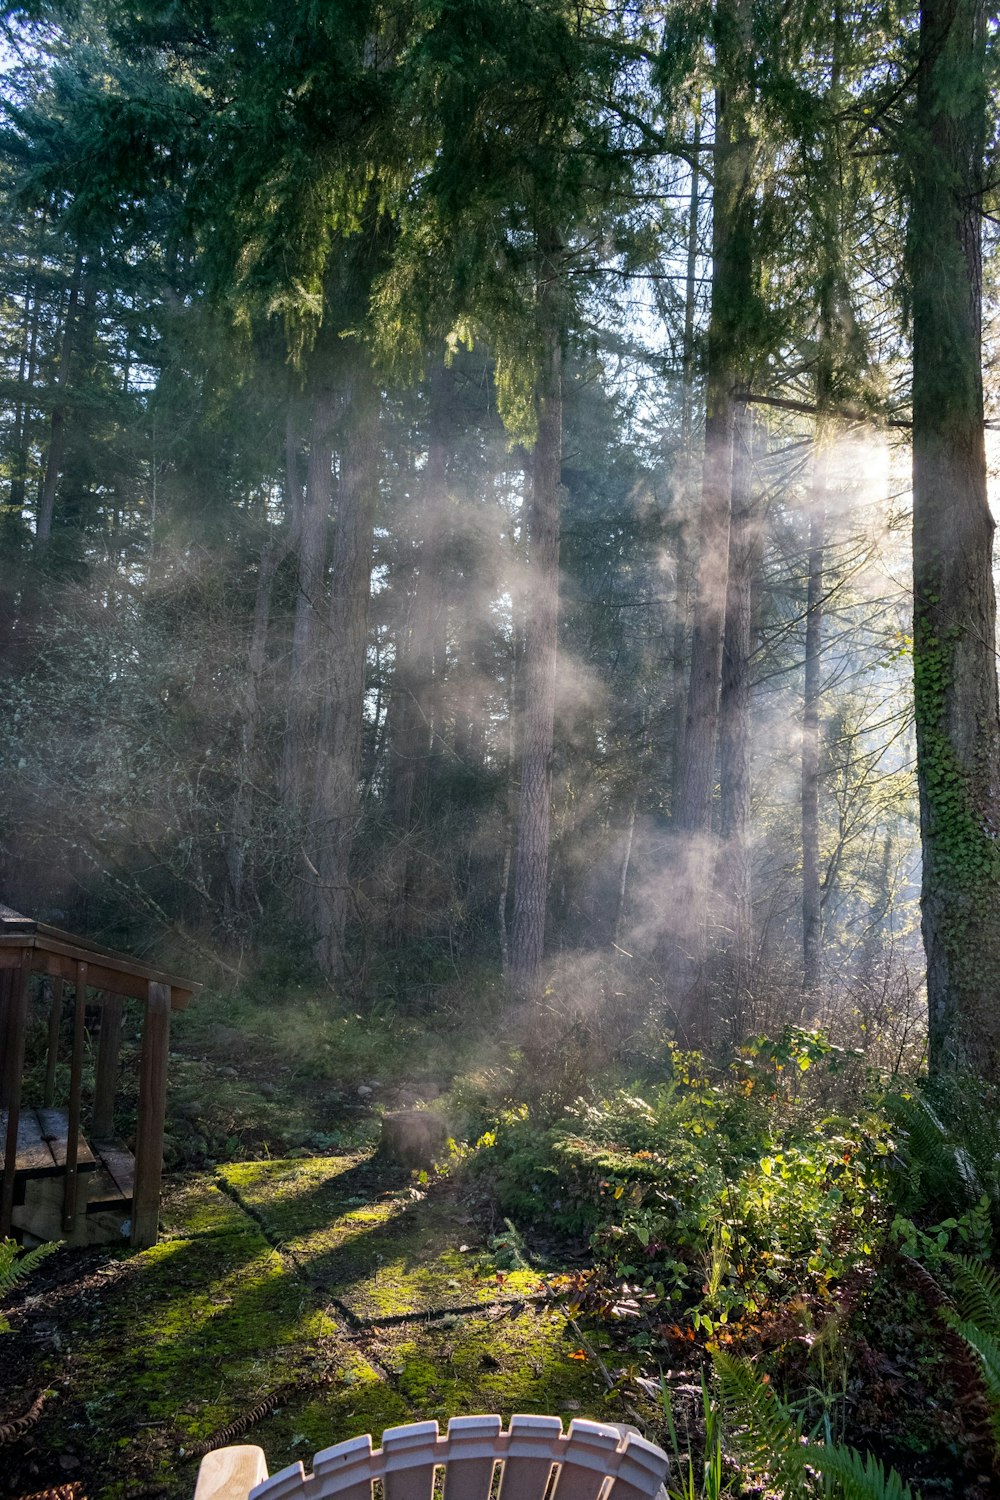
593, 1461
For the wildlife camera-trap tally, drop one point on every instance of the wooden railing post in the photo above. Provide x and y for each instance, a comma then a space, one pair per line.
152, 1108
7, 983
106, 1075
55, 987
13, 1068
75, 1090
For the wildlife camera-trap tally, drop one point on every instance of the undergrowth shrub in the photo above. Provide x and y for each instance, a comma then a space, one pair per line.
719, 1194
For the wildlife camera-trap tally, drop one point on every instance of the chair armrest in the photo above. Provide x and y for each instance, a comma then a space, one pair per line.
230, 1473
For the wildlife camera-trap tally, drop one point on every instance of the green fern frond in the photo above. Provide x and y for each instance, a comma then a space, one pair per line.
856, 1477
985, 1345
15, 1267
977, 1292
762, 1427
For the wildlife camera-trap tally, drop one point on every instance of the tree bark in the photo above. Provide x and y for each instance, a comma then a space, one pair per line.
728, 360
734, 875
417, 685
955, 681
531, 862
812, 927
311, 539
337, 798
55, 452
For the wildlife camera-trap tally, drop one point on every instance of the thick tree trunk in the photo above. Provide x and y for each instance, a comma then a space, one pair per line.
531, 862
954, 663
337, 798
735, 892
686, 925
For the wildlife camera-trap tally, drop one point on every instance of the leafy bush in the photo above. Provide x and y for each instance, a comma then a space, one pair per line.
719, 1195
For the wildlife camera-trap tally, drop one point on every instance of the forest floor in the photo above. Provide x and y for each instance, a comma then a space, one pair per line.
323, 1293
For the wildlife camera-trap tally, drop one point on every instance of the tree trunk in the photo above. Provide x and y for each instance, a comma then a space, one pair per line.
686, 496
57, 424
531, 863
336, 802
812, 928
954, 634
727, 357
273, 553
417, 688
734, 874
311, 538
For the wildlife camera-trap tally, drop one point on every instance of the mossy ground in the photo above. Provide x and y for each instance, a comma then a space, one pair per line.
384, 1249
281, 1277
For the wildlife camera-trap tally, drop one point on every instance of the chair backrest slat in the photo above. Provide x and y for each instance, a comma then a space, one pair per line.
593, 1461
590, 1455
287, 1482
533, 1446
472, 1456
409, 1455
345, 1470
641, 1470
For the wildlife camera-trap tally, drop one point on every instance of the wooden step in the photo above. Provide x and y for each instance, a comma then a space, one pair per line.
42, 1135
113, 1183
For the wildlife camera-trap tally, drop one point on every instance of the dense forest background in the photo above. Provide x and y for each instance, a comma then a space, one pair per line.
456, 499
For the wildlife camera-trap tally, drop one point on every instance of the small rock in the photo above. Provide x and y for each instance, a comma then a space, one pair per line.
364, 1092
68, 1462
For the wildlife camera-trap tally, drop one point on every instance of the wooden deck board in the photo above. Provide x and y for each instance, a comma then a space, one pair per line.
55, 1129
118, 1167
34, 1155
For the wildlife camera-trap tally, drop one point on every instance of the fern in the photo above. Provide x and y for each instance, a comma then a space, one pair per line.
768, 1435
857, 1477
15, 1268
977, 1288
771, 1441
951, 1148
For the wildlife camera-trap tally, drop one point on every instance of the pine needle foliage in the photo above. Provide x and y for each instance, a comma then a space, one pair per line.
16, 1267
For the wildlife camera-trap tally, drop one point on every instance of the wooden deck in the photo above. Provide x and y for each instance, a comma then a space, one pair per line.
41, 1151
105, 1180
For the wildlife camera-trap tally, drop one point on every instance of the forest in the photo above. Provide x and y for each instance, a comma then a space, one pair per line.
497, 589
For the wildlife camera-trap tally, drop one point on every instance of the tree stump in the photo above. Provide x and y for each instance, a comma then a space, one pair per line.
413, 1136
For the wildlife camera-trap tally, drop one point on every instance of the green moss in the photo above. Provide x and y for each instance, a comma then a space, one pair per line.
292, 1197
392, 1255
520, 1362
193, 1204
196, 1331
